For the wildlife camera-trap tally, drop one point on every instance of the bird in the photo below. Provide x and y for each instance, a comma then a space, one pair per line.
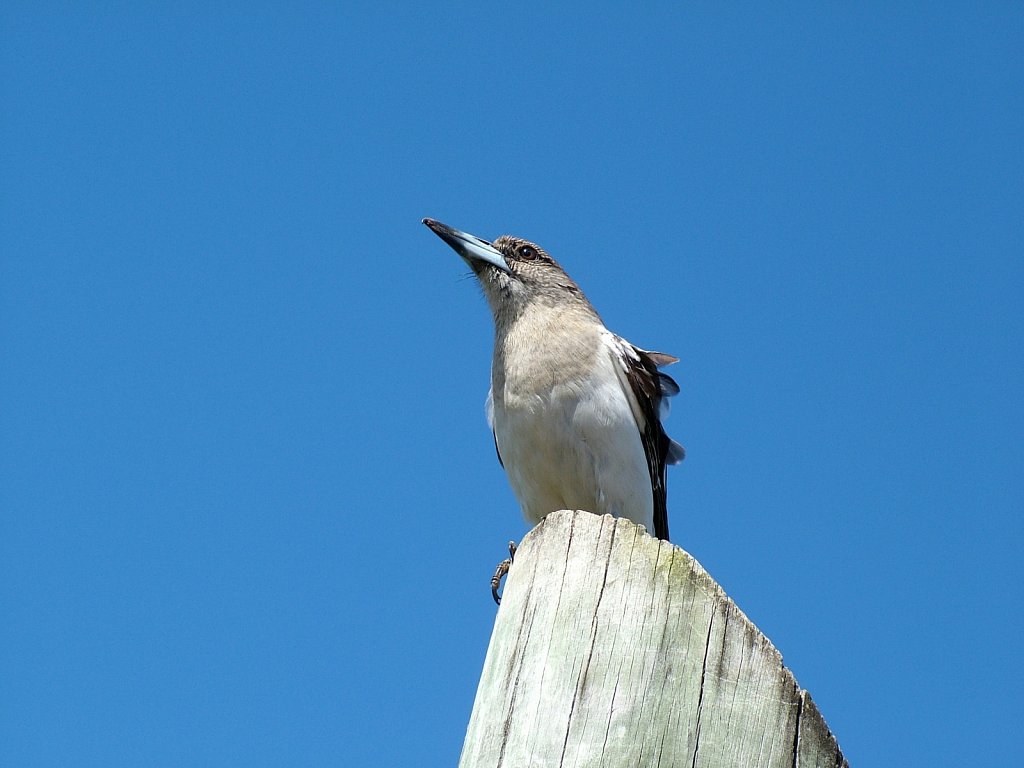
576, 410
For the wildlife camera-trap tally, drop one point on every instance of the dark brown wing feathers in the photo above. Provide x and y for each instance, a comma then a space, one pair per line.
650, 386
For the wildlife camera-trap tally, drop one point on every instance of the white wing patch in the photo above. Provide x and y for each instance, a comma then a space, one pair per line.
622, 352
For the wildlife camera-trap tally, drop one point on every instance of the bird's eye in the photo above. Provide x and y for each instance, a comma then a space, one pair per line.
527, 253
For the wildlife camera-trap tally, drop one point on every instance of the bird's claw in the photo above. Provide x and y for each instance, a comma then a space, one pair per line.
501, 570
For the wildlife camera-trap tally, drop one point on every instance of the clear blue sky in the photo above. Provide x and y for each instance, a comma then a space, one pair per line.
248, 499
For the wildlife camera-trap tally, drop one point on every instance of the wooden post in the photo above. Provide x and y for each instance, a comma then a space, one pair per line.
612, 648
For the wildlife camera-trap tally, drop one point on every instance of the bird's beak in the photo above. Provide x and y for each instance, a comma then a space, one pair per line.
469, 247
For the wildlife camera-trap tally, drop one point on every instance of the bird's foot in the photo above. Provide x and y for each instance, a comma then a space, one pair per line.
501, 570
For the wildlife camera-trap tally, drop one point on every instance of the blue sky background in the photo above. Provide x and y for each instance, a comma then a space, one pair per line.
248, 500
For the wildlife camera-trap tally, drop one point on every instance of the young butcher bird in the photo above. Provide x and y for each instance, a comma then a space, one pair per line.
576, 410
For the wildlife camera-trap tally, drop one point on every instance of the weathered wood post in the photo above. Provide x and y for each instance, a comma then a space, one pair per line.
612, 648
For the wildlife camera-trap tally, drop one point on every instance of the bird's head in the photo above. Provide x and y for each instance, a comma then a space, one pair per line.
513, 272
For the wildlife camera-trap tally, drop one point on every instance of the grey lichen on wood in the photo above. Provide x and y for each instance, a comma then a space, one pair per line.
612, 648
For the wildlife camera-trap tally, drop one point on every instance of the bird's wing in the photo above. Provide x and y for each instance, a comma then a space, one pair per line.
489, 407
648, 390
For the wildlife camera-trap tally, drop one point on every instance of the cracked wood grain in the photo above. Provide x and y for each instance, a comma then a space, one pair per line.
612, 648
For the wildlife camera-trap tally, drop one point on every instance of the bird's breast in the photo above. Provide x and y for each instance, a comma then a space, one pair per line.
566, 432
